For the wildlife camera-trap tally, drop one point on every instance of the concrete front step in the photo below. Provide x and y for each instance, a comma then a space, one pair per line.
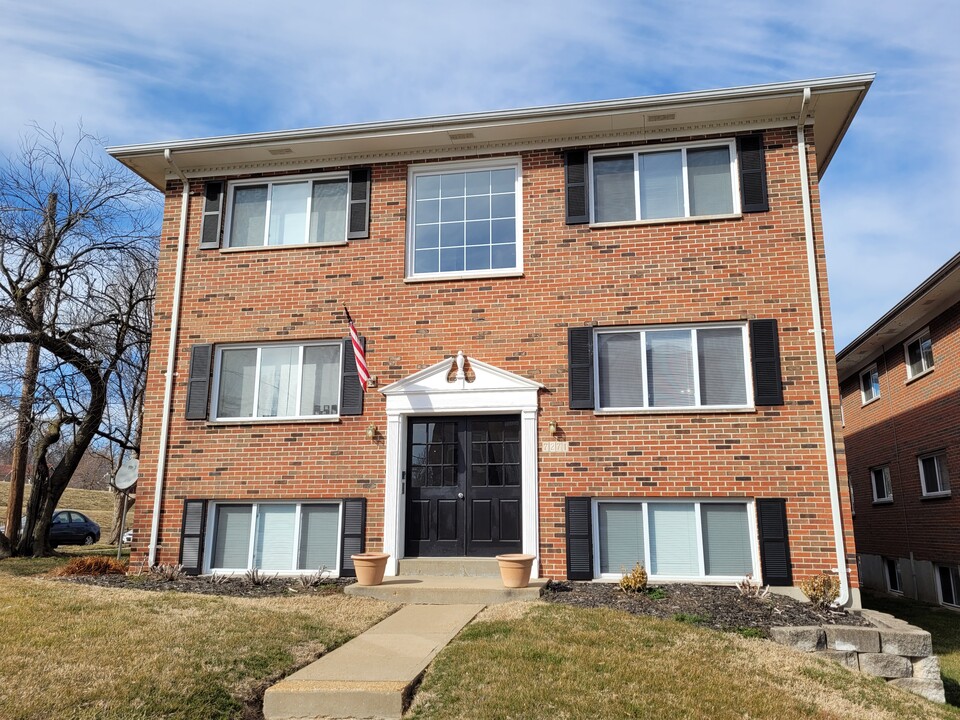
456, 566
446, 590
373, 675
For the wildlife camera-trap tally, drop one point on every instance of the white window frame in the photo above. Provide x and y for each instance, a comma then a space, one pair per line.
210, 535
887, 561
870, 372
645, 376
415, 171
887, 485
956, 587
270, 182
943, 487
906, 354
731, 143
259, 347
697, 503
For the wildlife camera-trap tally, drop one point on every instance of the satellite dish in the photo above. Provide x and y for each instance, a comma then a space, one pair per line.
127, 474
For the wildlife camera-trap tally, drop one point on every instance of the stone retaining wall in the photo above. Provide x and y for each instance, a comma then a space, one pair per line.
893, 649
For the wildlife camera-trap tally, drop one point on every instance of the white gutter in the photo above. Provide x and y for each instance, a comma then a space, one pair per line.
171, 359
818, 331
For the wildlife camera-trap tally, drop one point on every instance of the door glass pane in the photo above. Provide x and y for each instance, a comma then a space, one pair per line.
237, 376
278, 382
248, 216
621, 380
711, 189
320, 388
673, 540
621, 536
947, 589
231, 542
670, 368
288, 214
319, 531
726, 539
661, 185
613, 189
722, 376
274, 542
328, 212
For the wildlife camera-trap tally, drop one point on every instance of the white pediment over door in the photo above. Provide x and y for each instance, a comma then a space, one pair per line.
461, 384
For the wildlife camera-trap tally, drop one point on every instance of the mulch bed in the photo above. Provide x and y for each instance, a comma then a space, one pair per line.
720, 608
233, 587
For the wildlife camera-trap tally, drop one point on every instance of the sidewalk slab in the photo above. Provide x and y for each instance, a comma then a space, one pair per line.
446, 590
371, 676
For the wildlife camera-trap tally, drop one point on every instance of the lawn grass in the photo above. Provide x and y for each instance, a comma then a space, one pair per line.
566, 662
75, 652
943, 626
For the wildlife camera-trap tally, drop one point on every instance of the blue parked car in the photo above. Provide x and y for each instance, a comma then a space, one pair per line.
70, 527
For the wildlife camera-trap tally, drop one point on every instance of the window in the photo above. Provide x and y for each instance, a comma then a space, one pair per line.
287, 211
948, 578
464, 219
666, 183
276, 537
869, 384
919, 354
892, 569
880, 481
277, 381
673, 368
674, 539
934, 479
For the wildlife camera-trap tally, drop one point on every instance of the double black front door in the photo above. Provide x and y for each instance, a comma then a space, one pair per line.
462, 486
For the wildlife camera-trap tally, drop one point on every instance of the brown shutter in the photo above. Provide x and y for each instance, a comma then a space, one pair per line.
774, 546
579, 527
212, 214
351, 393
753, 174
580, 367
578, 187
191, 536
198, 387
354, 534
359, 210
765, 351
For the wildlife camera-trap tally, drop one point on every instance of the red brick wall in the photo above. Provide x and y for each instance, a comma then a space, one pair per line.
909, 419
573, 275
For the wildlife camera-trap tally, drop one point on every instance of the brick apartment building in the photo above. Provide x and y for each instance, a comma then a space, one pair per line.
900, 382
598, 333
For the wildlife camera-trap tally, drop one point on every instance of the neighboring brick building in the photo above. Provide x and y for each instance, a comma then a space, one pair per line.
900, 382
632, 389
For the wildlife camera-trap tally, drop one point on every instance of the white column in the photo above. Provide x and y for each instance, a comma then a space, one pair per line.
391, 494
529, 486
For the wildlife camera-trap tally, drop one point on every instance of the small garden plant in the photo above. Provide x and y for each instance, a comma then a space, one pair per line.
822, 589
92, 565
634, 581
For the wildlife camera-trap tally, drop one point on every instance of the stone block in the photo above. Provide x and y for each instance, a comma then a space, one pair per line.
805, 639
930, 689
885, 666
912, 643
926, 668
860, 639
847, 658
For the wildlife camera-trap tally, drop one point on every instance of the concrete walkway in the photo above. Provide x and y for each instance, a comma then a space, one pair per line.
373, 675
446, 590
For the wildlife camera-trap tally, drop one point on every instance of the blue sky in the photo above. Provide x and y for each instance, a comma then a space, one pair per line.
139, 72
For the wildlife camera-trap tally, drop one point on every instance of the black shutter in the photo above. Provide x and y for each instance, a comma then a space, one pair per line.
351, 393
753, 174
212, 212
774, 547
359, 204
354, 534
198, 387
191, 536
579, 539
580, 367
765, 349
578, 189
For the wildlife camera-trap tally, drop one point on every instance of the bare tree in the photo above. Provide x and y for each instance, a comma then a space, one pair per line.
79, 287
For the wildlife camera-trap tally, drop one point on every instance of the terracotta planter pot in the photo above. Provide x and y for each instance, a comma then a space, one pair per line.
370, 567
515, 569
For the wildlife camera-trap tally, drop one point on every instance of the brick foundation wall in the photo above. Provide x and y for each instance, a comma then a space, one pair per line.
681, 272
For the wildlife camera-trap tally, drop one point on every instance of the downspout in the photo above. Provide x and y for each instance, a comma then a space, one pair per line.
171, 358
818, 332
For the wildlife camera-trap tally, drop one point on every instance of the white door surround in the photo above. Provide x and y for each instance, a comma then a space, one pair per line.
491, 391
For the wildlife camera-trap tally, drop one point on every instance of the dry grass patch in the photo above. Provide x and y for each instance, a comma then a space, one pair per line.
73, 651
97, 504
561, 662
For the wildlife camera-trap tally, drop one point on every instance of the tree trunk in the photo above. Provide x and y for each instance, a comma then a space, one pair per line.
116, 528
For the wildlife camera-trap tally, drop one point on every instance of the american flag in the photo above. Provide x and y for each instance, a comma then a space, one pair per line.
358, 353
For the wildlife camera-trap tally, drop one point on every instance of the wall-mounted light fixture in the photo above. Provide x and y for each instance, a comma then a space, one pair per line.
371, 432
552, 427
